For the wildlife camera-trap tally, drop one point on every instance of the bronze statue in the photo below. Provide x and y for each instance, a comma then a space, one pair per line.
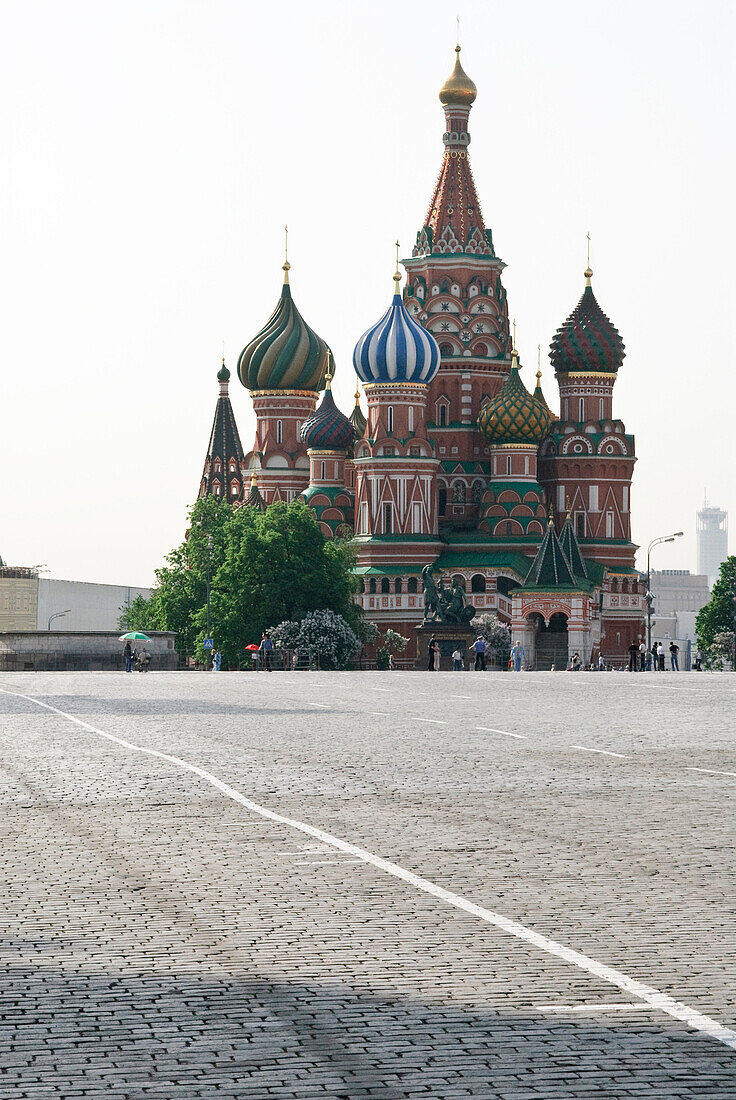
448, 606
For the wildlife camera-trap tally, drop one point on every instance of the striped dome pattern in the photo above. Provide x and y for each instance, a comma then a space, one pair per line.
514, 415
286, 354
328, 429
587, 341
396, 349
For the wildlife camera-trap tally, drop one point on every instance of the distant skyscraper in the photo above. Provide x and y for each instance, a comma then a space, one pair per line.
712, 540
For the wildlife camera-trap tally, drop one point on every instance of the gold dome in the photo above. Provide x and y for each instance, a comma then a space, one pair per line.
458, 90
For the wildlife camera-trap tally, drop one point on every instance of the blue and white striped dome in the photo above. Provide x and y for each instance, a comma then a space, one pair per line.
396, 349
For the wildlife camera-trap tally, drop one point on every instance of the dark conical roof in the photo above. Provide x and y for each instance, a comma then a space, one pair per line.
358, 420
587, 341
254, 498
224, 448
571, 546
550, 568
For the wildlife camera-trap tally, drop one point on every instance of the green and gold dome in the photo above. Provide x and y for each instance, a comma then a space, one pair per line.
515, 415
286, 354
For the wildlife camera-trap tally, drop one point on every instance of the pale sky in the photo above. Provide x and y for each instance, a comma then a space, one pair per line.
150, 154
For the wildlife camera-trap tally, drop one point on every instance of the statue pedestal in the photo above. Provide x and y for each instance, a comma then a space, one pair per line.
450, 636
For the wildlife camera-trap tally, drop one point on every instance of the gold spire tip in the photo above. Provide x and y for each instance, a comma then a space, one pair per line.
588, 273
397, 274
286, 266
253, 479
328, 371
357, 394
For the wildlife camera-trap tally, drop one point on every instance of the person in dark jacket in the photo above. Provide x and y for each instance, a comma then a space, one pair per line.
128, 656
431, 650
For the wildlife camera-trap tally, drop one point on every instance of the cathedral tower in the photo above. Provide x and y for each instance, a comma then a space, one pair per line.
454, 289
222, 475
396, 471
284, 367
588, 460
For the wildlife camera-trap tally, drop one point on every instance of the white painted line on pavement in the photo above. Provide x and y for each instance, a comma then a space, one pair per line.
461, 696
489, 729
636, 988
712, 771
379, 713
435, 721
381, 689
325, 706
603, 752
327, 862
615, 1006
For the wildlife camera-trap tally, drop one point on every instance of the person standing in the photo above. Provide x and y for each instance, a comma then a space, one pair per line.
128, 656
674, 661
601, 663
266, 650
655, 659
437, 658
432, 648
633, 656
660, 656
216, 661
517, 656
643, 655
698, 661
457, 660
479, 645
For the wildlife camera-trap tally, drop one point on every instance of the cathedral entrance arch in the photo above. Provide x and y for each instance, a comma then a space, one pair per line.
551, 642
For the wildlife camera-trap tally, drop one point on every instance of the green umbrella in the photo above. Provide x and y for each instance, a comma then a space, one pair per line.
134, 636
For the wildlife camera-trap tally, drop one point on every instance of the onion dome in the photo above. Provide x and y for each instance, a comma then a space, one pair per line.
286, 354
357, 419
328, 429
458, 90
514, 416
587, 341
396, 348
223, 374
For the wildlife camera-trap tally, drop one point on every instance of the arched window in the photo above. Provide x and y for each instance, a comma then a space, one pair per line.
232, 468
412, 586
442, 418
446, 349
390, 418
218, 466
581, 409
477, 583
234, 489
397, 586
442, 500
508, 464
279, 431
614, 585
323, 473
372, 586
411, 418
216, 488
601, 412
459, 492
385, 586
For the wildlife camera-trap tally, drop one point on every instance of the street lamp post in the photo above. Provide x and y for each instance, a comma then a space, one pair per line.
209, 570
649, 598
57, 615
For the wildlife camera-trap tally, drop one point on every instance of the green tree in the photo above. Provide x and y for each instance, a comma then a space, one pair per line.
717, 617
264, 567
390, 643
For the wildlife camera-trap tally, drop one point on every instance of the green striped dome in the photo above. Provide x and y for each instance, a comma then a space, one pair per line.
286, 354
514, 415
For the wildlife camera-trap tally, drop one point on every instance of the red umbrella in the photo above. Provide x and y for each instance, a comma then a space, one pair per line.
253, 647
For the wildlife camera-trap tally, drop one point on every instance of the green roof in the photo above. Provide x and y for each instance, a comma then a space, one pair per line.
390, 570
491, 559
570, 545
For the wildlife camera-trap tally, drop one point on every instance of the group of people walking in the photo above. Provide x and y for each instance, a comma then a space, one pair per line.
643, 659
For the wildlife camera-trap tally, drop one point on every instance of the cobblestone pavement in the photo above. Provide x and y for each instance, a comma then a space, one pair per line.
161, 939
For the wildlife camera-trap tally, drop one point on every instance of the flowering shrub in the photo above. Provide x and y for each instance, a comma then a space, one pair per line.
391, 642
322, 636
496, 633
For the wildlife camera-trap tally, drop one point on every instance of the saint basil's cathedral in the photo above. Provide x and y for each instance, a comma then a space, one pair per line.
458, 465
